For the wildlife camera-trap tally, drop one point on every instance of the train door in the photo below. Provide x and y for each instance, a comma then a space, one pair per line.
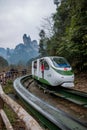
45, 69
41, 64
47, 72
35, 68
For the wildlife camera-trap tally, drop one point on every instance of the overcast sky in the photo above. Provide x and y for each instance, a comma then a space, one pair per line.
22, 16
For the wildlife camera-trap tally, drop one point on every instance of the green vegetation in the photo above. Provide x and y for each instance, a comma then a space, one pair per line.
70, 33
3, 62
10, 114
9, 87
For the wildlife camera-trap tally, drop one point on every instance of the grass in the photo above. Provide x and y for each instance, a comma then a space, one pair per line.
10, 114
8, 88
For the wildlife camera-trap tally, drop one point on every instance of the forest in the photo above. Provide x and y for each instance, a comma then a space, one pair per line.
68, 34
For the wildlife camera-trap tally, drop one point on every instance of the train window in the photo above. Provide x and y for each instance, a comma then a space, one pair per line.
35, 64
60, 62
46, 66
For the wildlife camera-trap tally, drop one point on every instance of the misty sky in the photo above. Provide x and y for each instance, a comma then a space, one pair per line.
22, 16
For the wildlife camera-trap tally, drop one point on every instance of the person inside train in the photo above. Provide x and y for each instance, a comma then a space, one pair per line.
42, 68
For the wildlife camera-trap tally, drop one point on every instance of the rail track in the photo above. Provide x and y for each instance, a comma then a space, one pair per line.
72, 95
53, 118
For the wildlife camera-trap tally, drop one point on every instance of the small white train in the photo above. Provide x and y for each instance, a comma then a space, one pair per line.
54, 71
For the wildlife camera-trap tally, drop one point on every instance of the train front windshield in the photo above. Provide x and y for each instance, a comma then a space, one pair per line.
60, 62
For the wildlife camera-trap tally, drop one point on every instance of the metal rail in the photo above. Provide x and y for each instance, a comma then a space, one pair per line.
53, 118
75, 96
72, 95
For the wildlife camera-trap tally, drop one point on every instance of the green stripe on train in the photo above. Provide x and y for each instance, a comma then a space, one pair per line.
41, 80
62, 72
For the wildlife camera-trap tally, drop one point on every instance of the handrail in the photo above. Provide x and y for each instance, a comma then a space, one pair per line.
30, 123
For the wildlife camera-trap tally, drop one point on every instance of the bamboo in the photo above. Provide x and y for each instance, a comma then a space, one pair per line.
30, 122
5, 120
1, 107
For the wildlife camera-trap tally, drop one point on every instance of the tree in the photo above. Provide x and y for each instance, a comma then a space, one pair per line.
47, 26
42, 44
76, 32
70, 27
3, 62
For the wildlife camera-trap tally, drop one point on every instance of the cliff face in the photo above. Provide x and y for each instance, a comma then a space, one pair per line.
22, 53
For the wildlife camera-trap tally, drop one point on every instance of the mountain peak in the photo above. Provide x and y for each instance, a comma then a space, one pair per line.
23, 51
26, 39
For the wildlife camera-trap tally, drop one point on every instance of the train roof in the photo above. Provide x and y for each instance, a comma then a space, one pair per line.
47, 57
52, 56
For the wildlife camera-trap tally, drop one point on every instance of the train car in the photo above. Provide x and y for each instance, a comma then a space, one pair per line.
54, 71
